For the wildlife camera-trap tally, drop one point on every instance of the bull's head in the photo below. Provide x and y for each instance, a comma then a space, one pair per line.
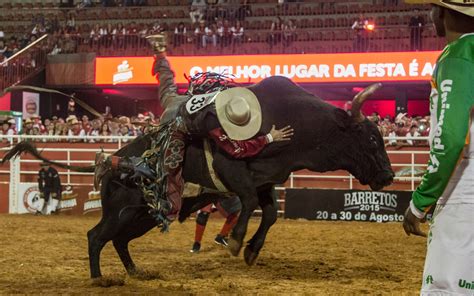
363, 153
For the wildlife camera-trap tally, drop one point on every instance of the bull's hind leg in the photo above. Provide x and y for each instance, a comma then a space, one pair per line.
97, 238
237, 177
269, 216
135, 229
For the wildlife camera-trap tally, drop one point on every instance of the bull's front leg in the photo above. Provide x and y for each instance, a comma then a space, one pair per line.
235, 175
269, 208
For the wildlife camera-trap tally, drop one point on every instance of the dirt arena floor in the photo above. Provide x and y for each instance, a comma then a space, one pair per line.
48, 255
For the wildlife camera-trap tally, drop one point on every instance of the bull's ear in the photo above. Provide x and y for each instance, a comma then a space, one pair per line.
343, 120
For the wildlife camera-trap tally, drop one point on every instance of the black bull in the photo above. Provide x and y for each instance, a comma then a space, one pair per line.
326, 139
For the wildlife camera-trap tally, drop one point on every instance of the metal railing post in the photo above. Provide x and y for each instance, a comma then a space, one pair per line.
69, 163
412, 171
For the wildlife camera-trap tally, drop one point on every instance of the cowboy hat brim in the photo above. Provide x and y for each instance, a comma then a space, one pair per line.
234, 131
457, 5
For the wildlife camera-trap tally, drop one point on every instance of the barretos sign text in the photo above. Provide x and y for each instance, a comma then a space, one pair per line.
301, 68
347, 205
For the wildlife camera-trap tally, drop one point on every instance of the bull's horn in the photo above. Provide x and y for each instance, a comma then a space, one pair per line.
359, 100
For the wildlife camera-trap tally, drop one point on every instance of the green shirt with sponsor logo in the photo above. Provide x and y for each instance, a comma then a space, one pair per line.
451, 101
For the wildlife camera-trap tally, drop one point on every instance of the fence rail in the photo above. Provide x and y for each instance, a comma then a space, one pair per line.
119, 142
24, 64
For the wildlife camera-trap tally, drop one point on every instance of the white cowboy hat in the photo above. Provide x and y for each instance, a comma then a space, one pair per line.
239, 113
462, 6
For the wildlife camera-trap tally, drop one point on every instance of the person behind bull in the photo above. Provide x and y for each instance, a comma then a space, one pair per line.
49, 185
230, 116
229, 208
449, 179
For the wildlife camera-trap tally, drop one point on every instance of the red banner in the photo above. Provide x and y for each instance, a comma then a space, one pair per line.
307, 68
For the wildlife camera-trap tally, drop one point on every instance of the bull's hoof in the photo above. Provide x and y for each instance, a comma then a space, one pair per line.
234, 246
145, 275
106, 282
250, 256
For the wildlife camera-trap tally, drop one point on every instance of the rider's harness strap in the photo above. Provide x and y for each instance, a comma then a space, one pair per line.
215, 179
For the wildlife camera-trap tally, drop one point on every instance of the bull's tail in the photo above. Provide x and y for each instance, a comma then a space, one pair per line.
30, 148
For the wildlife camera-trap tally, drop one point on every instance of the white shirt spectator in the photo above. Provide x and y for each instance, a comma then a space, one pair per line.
81, 133
2, 35
176, 31
415, 134
392, 142
237, 33
103, 32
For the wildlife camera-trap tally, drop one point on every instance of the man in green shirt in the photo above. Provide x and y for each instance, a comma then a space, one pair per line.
449, 179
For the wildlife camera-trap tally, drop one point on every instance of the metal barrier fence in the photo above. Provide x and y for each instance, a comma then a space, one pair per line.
119, 142
260, 41
24, 64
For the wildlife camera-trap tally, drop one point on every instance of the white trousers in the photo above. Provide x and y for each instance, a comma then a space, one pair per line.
449, 264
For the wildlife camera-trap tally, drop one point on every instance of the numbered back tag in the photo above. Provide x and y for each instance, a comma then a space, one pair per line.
198, 102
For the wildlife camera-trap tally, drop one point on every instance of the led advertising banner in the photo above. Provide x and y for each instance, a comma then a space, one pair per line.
301, 68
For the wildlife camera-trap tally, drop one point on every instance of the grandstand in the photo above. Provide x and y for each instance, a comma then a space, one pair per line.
320, 26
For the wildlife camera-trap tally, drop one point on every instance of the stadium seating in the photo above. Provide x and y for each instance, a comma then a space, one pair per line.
315, 20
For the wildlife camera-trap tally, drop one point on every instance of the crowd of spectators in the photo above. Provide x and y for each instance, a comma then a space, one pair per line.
82, 127
403, 127
208, 25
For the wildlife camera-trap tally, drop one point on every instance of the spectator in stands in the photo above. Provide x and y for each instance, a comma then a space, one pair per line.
2, 34
85, 3
12, 47
105, 131
103, 35
179, 34
37, 122
57, 49
27, 126
95, 129
86, 124
275, 31
209, 36
3, 48
361, 35
8, 127
38, 30
392, 133
125, 131
199, 34
50, 130
75, 129
416, 25
289, 33
54, 24
224, 32
114, 128
117, 36
412, 133
70, 23
243, 11
71, 108
95, 35
237, 33
196, 11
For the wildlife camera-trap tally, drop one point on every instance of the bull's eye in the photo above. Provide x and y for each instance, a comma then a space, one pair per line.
373, 142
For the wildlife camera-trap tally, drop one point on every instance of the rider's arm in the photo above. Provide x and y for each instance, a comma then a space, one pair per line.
454, 103
239, 149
